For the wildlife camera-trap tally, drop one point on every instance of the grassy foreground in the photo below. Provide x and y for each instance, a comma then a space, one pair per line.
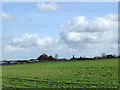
62, 74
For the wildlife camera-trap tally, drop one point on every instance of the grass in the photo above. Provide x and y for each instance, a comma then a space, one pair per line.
62, 74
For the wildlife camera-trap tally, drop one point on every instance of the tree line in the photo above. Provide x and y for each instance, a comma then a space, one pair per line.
45, 57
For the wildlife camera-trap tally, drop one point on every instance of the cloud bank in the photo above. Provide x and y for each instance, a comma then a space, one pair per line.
28, 41
47, 6
5, 16
82, 32
78, 36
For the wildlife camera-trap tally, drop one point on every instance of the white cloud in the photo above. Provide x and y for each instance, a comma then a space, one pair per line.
11, 48
47, 6
6, 36
72, 50
5, 16
45, 41
28, 41
79, 36
97, 24
82, 32
115, 46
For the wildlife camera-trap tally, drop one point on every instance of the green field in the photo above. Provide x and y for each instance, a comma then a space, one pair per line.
62, 74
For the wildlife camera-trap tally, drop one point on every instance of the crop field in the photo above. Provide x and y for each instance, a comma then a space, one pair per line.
102, 73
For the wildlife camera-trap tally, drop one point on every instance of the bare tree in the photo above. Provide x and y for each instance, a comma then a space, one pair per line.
103, 55
56, 56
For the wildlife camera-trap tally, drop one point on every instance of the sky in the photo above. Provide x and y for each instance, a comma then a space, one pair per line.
66, 28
